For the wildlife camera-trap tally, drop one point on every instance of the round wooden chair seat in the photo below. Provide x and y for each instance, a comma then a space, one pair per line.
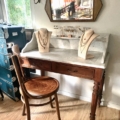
41, 86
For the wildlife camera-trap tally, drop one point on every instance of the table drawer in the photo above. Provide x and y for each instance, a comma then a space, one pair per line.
36, 64
85, 72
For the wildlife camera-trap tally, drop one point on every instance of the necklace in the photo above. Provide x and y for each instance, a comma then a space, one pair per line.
43, 41
83, 42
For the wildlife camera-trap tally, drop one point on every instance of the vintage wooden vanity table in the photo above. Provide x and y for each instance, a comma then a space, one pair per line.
63, 56
66, 61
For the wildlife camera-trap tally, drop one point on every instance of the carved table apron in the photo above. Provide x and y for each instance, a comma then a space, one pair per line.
84, 71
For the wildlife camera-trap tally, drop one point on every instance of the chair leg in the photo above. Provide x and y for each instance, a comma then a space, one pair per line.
27, 109
23, 112
57, 107
51, 102
1, 94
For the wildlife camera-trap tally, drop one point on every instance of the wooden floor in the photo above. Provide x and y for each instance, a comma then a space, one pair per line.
70, 109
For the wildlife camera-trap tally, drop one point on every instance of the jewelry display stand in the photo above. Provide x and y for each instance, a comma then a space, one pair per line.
84, 43
43, 40
36, 44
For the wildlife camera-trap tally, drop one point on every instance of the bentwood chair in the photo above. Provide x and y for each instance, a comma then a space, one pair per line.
35, 88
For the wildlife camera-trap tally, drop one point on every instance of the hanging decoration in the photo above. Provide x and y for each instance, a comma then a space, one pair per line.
37, 1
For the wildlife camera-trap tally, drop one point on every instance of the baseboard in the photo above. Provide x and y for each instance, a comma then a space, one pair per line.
110, 105
74, 96
103, 103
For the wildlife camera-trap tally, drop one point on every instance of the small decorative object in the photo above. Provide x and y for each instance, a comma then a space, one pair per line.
43, 39
69, 31
86, 39
56, 28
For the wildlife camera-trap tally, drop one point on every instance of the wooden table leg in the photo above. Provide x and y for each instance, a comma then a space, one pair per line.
95, 94
101, 89
94, 100
42, 73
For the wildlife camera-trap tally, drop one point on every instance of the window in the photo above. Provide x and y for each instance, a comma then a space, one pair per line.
19, 12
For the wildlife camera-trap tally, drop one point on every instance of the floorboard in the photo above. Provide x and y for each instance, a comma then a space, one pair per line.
70, 109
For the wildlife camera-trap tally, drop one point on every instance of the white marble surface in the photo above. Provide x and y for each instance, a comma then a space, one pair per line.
66, 50
99, 44
68, 56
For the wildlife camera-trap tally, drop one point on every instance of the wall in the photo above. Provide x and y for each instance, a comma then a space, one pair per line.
108, 21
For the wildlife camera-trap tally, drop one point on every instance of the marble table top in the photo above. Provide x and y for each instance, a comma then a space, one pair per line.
68, 56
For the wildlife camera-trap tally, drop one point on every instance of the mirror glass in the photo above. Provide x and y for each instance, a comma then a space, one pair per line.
72, 9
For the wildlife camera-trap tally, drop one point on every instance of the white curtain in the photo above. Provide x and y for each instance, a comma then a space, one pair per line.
1, 11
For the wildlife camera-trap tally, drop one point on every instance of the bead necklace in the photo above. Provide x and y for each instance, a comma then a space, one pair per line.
43, 42
84, 41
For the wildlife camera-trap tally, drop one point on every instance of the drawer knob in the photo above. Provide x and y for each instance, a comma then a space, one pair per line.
68, 70
75, 71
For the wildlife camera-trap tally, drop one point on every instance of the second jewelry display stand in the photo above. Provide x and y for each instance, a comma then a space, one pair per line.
84, 43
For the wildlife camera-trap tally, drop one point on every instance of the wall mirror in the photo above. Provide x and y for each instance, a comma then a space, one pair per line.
72, 10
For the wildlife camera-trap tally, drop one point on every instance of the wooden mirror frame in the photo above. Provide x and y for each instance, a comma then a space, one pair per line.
97, 5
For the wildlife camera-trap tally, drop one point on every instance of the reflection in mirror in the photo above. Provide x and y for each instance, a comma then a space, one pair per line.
72, 9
